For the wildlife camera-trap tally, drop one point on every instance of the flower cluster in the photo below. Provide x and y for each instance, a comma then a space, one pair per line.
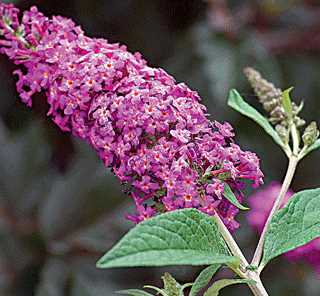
153, 132
261, 204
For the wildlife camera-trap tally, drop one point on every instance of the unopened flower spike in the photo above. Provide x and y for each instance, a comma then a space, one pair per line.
150, 130
170, 286
281, 111
283, 132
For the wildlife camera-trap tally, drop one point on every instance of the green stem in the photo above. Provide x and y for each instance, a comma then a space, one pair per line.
293, 161
257, 288
18, 37
295, 139
233, 246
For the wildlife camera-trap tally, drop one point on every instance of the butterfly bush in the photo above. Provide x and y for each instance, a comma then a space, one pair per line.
261, 203
151, 131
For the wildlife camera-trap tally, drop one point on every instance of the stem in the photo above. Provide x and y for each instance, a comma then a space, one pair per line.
243, 270
293, 161
13, 33
295, 139
303, 151
233, 246
257, 288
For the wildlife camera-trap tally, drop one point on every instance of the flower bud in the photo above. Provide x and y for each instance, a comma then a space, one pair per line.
310, 134
270, 105
299, 122
283, 133
277, 114
272, 100
269, 96
171, 286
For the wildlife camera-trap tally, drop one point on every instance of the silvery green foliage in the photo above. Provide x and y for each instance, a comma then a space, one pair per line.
182, 237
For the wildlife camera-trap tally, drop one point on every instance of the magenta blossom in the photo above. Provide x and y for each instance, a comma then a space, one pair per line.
261, 204
150, 130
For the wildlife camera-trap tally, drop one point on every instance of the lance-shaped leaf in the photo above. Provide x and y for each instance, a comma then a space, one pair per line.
286, 102
230, 196
236, 102
294, 225
203, 279
214, 290
182, 237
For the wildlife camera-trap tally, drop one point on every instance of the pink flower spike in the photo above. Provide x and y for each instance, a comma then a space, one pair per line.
151, 131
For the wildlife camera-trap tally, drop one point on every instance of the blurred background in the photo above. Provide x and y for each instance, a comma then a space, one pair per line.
60, 209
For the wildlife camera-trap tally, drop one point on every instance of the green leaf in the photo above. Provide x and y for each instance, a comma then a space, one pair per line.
182, 237
286, 102
214, 290
294, 225
236, 102
134, 292
313, 147
230, 196
203, 279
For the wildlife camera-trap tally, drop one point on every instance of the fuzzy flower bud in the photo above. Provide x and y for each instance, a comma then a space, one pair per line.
171, 286
150, 130
311, 134
269, 96
283, 133
271, 99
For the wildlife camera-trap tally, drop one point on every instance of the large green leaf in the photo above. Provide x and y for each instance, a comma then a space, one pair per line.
229, 195
203, 279
182, 237
236, 102
214, 290
294, 225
